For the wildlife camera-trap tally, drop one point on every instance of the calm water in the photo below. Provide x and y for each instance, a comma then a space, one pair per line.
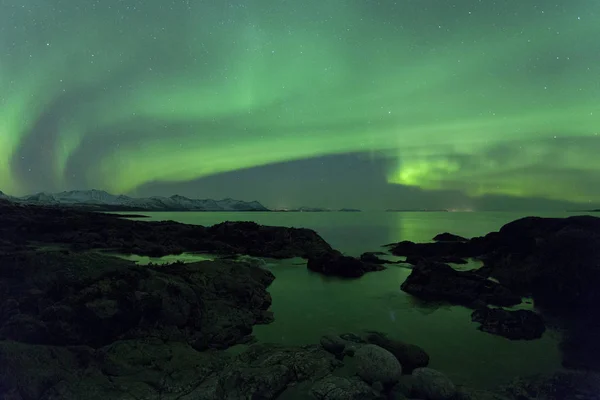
308, 305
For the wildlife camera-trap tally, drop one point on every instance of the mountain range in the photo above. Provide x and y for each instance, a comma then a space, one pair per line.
101, 200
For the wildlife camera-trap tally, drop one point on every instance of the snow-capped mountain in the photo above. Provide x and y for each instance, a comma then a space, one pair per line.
100, 199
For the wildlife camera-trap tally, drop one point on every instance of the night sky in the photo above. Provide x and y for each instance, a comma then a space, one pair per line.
338, 103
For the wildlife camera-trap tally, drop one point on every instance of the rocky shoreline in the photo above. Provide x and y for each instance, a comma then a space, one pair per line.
76, 323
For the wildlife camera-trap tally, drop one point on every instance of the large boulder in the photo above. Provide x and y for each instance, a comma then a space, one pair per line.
440, 282
375, 364
514, 325
432, 385
335, 264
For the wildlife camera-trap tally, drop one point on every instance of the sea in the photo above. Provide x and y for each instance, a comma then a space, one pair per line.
308, 305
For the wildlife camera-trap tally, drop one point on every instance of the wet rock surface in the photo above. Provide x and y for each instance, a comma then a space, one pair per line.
514, 325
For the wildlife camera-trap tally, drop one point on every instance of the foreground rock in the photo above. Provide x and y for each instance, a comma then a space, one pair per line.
151, 369
62, 298
440, 282
432, 385
83, 230
335, 264
559, 386
514, 325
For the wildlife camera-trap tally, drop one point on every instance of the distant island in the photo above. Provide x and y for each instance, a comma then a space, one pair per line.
315, 209
413, 210
99, 200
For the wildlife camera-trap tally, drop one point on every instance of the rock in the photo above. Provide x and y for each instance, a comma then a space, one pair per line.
465, 393
449, 237
342, 388
409, 355
432, 385
415, 260
152, 369
404, 388
371, 258
432, 250
514, 325
336, 264
559, 386
334, 344
85, 230
375, 364
440, 282
264, 371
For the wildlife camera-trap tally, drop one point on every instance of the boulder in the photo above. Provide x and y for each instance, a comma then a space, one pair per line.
410, 356
432, 385
375, 364
342, 388
514, 325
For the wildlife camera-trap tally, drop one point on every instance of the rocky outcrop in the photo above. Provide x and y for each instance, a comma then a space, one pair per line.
62, 298
440, 282
514, 325
82, 230
335, 263
449, 237
554, 260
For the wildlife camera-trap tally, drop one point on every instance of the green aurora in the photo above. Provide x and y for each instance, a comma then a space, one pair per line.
485, 97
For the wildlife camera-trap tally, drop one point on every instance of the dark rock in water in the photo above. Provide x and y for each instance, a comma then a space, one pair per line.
431, 250
449, 237
432, 385
410, 356
336, 264
558, 386
440, 282
514, 325
342, 388
371, 258
414, 260
91, 299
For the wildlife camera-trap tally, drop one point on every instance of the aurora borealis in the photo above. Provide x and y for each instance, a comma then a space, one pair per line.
476, 96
